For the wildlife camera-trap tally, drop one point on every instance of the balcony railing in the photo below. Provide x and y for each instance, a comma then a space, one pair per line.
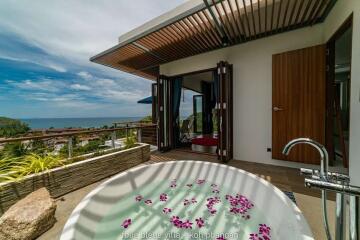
144, 132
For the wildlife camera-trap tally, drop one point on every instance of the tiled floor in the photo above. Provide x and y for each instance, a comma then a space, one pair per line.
287, 179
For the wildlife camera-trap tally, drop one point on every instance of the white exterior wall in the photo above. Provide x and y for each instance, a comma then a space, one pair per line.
252, 63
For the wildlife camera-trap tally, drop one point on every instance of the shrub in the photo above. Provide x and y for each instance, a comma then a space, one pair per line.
17, 168
14, 150
130, 141
92, 146
147, 119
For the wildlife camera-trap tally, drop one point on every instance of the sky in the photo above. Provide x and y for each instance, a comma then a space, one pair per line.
45, 48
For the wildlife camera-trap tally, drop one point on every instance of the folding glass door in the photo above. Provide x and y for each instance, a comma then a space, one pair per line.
164, 113
224, 105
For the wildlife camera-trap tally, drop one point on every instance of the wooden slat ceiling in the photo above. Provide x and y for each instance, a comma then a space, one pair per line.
219, 24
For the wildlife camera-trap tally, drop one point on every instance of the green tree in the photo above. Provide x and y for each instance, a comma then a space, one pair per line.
12, 127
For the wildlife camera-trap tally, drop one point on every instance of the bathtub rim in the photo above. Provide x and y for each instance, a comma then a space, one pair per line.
68, 231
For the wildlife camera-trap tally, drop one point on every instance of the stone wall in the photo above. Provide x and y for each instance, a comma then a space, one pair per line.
62, 180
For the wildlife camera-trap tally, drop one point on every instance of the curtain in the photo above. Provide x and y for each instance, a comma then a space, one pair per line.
177, 86
216, 86
206, 89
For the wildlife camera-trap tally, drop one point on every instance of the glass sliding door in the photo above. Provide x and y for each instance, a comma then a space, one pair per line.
198, 113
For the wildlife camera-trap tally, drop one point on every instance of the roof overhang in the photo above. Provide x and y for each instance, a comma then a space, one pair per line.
199, 26
147, 100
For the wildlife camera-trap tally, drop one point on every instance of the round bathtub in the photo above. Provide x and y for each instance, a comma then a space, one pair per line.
186, 200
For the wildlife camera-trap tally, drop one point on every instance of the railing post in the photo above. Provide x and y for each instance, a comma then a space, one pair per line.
139, 135
70, 147
340, 226
113, 138
127, 130
354, 217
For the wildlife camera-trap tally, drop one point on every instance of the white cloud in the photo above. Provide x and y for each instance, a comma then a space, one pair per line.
78, 29
94, 88
120, 95
116, 90
70, 101
57, 68
67, 98
84, 75
104, 82
47, 64
71, 32
42, 85
80, 87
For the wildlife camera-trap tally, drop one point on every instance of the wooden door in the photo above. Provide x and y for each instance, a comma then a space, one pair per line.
225, 112
299, 102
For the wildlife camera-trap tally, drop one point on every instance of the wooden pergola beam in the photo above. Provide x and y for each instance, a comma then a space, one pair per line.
220, 23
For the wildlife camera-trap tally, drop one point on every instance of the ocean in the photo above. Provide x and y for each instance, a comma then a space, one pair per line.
41, 123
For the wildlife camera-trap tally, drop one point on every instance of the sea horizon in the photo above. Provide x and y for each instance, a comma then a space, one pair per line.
75, 122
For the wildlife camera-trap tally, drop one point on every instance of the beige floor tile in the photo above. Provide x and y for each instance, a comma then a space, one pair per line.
311, 207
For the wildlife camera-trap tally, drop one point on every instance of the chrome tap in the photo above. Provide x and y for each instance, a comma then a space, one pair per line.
324, 156
323, 171
329, 181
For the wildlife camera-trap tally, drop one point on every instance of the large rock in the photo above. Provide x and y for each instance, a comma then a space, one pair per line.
29, 217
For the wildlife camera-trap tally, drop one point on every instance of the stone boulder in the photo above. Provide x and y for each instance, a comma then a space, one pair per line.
28, 218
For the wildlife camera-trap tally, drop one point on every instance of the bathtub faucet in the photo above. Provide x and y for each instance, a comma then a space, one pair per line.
324, 156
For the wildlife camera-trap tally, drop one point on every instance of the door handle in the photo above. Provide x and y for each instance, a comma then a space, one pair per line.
277, 109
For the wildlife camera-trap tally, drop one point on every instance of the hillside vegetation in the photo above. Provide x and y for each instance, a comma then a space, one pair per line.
12, 127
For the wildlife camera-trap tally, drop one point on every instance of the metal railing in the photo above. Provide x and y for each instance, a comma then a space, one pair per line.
70, 135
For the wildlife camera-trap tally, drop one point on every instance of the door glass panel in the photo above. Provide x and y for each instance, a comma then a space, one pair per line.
154, 102
166, 119
163, 113
198, 113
